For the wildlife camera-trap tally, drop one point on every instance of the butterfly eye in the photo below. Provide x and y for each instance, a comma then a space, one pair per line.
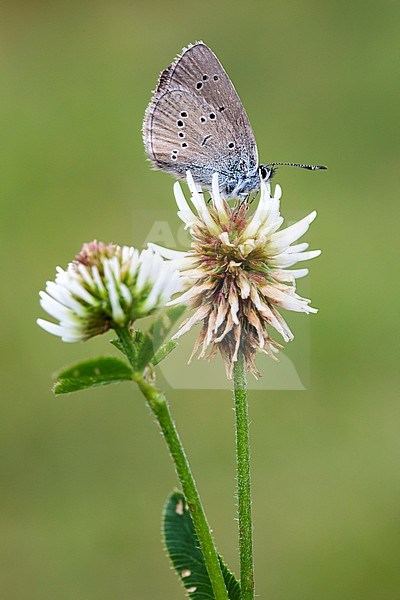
263, 172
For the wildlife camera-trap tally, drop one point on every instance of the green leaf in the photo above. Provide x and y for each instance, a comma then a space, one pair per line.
155, 336
163, 352
185, 554
90, 373
117, 343
137, 337
232, 584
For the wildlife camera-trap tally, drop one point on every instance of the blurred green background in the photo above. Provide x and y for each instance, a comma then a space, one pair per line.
83, 478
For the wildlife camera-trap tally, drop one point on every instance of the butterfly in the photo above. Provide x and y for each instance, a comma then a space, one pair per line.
196, 122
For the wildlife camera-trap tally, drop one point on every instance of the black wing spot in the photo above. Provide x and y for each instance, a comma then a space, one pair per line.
231, 145
205, 77
221, 108
181, 134
184, 114
202, 119
184, 145
215, 77
180, 123
212, 116
205, 140
199, 85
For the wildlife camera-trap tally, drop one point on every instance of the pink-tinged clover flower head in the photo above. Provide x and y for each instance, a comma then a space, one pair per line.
106, 287
238, 272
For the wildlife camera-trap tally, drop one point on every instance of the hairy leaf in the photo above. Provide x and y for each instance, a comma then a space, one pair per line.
185, 554
163, 352
155, 336
90, 373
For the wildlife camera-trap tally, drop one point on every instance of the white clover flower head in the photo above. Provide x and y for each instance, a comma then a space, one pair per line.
106, 287
237, 273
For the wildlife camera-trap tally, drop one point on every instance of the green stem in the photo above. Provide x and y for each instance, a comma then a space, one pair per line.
159, 406
243, 480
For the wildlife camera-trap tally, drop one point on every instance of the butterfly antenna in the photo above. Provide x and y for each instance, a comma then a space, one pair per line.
302, 166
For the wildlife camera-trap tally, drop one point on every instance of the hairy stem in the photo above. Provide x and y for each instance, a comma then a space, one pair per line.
159, 406
243, 480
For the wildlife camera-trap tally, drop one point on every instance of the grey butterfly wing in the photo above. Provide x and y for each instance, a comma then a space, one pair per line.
196, 121
199, 71
184, 133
